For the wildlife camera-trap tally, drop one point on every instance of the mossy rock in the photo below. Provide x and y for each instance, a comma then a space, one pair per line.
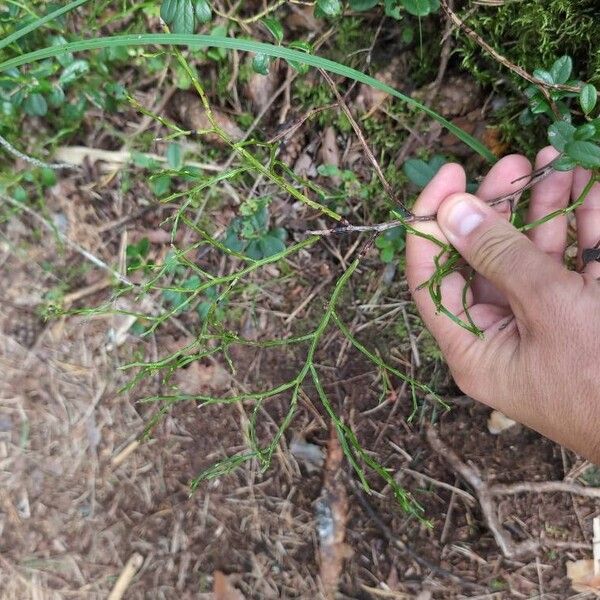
533, 34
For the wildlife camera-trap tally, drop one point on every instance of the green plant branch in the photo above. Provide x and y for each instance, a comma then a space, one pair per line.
223, 340
352, 448
241, 150
564, 211
226, 279
381, 363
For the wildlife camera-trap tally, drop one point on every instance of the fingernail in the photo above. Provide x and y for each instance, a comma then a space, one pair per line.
463, 216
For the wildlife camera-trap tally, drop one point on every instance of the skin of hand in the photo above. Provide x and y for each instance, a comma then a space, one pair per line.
538, 360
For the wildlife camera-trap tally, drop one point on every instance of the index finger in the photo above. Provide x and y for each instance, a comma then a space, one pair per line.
421, 254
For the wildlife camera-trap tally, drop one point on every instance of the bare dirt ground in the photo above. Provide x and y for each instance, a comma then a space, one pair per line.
80, 495
86, 502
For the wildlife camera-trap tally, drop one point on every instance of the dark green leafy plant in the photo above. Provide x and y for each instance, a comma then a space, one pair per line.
391, 243
559, 27
550, 101
421, 172
261, 63
250, 234
328, 8
393, 8
575, 132
37, 91
59, 89
183, 16
137, 256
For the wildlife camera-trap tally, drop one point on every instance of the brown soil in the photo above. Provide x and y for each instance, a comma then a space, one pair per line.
71, 518
80, 494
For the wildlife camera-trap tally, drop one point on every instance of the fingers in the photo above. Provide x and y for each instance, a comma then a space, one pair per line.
505, 177
507, 258
549, 195
588, 218
421, 253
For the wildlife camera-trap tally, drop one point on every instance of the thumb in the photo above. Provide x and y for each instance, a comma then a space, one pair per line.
495, 249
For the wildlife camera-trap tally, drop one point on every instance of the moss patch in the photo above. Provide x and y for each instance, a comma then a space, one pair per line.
534, 34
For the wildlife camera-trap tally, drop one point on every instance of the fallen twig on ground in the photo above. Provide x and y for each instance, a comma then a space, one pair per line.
115, 159
331, 517
465, 495
127, 574
485, 494
73, 245
544, 487
88, 290
34, 161
406, 548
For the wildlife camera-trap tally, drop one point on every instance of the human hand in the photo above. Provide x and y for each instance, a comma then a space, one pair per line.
538, 359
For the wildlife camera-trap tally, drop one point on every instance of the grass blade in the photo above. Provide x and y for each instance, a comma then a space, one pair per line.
202, 41
13, 37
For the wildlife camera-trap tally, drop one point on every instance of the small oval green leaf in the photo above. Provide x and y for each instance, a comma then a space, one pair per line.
160, 184
408, 35
261, 63
587, 131
202, 11
56, 97
36, 105
418, 8
544, 76
392, 9
303, 46
73, 72
560, 133
588, 98
168, 8
564, 163
275, 28
271, 245
561, 69
330, 8
184, 20
174, 156
421, 172
387, 254
583, 153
